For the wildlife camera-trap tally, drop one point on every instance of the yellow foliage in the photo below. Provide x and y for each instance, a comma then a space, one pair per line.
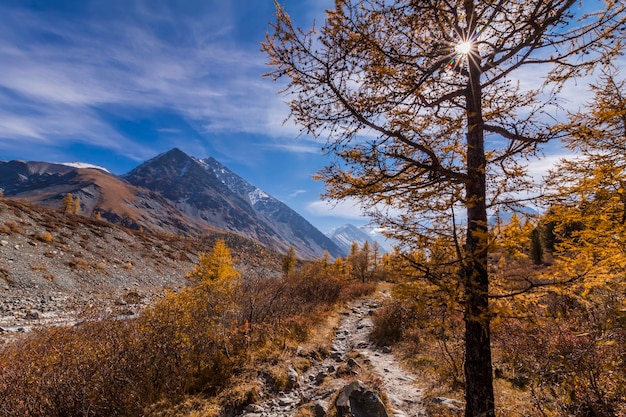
216, 266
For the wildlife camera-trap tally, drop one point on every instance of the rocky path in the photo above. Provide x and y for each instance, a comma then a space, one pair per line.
328, 376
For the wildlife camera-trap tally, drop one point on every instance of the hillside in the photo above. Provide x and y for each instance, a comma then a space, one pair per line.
52, 263
171, 193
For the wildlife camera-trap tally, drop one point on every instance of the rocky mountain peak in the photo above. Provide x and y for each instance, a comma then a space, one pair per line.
173, 193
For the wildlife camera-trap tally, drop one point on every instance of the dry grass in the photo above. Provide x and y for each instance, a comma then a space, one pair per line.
45, 237
78, 263
204, 357
10, 228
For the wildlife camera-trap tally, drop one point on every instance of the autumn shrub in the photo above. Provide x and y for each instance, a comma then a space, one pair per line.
78, 263
571, 357
45, 237
65, 371
355, 289
10, 228
429, 334
390, 323
210, 338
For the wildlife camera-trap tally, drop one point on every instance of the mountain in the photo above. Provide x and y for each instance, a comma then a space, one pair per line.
45, 184
288, 224
504, 215
345, 235
172, 193
208, 191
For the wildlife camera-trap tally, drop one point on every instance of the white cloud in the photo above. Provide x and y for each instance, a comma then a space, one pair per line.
123, 66
346, 209
297, 193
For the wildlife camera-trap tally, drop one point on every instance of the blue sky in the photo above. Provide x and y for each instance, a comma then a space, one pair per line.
114, 83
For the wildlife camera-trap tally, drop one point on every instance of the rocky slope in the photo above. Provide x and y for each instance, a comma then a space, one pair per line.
54, 266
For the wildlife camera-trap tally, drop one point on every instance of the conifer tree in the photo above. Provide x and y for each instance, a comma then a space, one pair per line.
289, 261
588, 212
76, 205
216, 267
418, 102
67, 204
536, 251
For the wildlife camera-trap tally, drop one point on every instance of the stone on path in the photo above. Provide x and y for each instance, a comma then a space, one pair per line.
356, 400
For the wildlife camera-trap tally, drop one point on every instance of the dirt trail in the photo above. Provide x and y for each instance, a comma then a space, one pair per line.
352, 335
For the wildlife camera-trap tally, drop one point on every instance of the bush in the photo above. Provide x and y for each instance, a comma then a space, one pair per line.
197, 341
44, 237
390, 323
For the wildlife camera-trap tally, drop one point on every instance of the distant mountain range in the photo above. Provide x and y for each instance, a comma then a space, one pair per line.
171, 193
344, 236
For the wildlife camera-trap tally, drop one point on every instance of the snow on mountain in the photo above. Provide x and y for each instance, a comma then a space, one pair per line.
84, 165
345, 235
257, 195
292, 227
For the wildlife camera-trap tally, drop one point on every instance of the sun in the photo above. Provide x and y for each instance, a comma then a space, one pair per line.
463, 47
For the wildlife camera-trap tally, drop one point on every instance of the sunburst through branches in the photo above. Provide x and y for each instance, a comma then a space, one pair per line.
464, 47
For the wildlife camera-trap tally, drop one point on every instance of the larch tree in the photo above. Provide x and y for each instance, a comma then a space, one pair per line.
67, 204
289, 261
76, 205
428, 126
588, 210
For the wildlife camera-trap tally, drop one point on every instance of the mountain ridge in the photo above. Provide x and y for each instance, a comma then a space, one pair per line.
345, 235
169, 193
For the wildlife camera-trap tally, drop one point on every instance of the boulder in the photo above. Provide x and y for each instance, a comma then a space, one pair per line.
320, 408
356, 400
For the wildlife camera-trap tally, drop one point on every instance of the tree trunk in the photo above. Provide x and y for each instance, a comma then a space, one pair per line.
479, 396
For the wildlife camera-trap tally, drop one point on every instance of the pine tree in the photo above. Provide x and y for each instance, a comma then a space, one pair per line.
536, 251
216, 267
588, 211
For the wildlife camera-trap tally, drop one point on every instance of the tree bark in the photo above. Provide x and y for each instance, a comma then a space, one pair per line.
479, 396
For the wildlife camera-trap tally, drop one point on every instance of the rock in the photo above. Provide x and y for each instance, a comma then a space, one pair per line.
254, 408
320, 408
352, 363
356, 400
31, 315
386, 349
292, 374
285, 401
320, 377
450, 403
4, 242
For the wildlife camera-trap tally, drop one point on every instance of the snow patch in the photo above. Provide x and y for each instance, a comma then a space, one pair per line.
257, 195
84, 165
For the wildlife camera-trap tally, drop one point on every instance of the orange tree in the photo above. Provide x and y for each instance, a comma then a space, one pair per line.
421, 109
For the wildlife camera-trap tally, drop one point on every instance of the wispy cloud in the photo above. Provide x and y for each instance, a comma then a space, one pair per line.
63, 69
296, 193
346, 209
